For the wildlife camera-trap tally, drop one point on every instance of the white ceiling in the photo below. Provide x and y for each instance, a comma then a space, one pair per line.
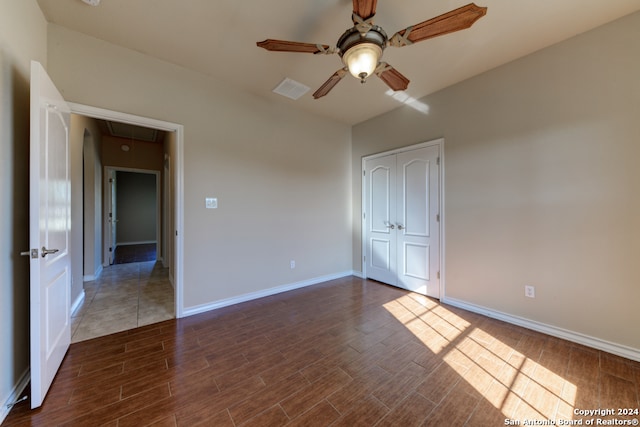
218, 38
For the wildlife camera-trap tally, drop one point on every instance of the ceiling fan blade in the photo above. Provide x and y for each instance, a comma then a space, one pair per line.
365, 9
392, 77
287, 46
458, 19
329, 84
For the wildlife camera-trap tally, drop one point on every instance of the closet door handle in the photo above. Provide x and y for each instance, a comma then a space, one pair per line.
400, 227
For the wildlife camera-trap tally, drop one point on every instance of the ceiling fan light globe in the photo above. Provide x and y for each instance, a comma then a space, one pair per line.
362, 59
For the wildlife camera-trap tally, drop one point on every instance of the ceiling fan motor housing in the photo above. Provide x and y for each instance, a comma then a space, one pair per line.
352, 37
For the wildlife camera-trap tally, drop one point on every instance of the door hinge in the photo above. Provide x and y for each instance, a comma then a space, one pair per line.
437, 217
364, 173
438, 275
110, 180
364, 215
438, 161
364, 259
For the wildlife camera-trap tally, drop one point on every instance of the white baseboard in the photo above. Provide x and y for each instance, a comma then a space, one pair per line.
597, 343
189, 311
15, 394
77, 303
94, 276
358, 274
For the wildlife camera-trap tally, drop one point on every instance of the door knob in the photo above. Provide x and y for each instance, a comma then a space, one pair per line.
400, 227
389, 225
46, 251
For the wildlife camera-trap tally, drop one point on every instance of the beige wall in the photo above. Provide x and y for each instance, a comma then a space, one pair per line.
282, 177
22, 38
541, 182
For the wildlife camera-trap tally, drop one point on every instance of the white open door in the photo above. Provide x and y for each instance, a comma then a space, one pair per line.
49, 228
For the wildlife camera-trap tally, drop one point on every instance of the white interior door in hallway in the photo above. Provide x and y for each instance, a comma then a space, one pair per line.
401, 214
112, 216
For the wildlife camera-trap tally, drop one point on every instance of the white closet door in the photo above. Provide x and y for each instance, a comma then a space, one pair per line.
381, 216
416, 222
402, 246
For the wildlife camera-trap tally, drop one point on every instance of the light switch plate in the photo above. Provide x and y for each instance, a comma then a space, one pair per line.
211, 202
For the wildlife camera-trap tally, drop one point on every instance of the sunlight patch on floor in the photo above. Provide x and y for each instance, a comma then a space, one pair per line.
504, 376
433, 325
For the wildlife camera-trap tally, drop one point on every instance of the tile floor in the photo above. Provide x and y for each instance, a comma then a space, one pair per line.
124, 297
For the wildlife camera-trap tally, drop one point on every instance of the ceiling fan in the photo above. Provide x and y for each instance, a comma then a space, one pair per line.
361, 46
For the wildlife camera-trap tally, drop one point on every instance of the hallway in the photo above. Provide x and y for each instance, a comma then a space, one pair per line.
124, 297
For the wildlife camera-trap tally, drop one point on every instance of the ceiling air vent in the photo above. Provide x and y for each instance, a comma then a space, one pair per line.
291, 88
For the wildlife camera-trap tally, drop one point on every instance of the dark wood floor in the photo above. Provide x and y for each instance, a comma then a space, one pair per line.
349, 352
125, 254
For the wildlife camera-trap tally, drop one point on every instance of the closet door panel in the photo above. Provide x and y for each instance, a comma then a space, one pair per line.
413, 223
381, 244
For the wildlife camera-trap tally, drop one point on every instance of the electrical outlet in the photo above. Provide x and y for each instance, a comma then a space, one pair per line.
530, 291
292, 263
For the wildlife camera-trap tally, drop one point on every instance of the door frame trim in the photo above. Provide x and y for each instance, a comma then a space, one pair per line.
178, 247
435, 142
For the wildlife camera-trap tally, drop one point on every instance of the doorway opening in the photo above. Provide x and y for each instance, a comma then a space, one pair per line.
154, 223
133, 215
